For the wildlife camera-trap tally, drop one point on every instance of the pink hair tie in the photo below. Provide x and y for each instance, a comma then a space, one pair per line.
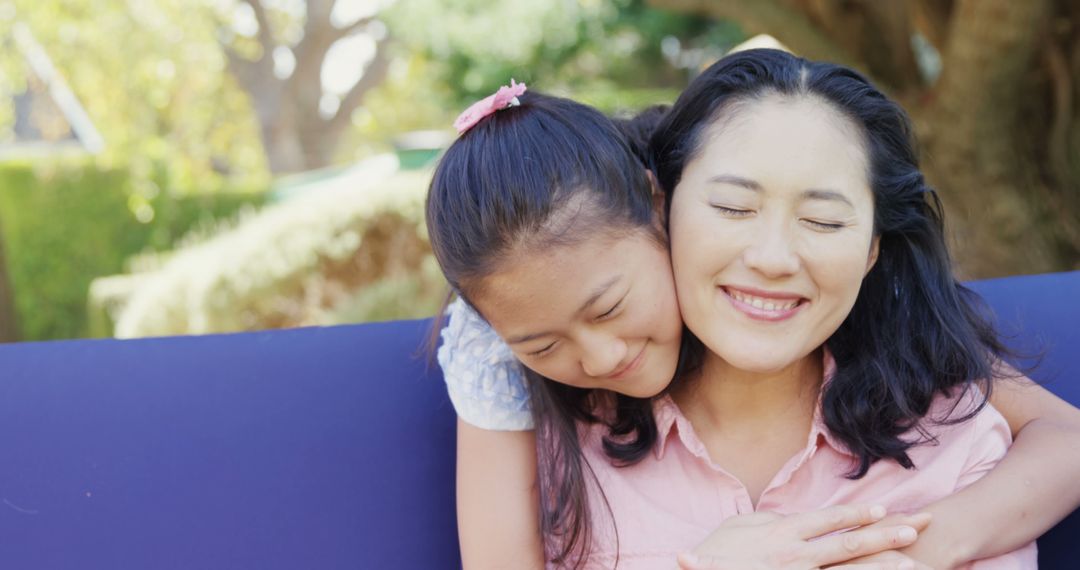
504, 98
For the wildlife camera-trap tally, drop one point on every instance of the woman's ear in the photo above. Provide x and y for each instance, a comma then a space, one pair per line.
658, 199
875, 251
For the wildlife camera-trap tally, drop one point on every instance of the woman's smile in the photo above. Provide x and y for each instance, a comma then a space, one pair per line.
764, 305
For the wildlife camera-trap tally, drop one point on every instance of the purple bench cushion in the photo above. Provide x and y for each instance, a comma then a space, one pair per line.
314, 448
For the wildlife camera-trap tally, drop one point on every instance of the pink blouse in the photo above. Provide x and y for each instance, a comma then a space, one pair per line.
674, 498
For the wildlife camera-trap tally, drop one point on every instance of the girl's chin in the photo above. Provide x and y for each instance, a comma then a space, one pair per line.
642, 391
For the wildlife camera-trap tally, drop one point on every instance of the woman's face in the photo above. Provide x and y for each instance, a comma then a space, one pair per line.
772, 231
600, 313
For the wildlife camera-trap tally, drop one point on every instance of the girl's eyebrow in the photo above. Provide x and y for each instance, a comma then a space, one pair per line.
598, 292
525, 338
593, 298
809, 194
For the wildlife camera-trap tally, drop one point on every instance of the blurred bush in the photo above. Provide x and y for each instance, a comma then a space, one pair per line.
347, 248
65, 224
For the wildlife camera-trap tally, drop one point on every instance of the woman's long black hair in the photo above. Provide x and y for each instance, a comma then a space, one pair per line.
914, 331
494, 194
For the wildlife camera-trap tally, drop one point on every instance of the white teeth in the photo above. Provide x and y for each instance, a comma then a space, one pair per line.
760, 303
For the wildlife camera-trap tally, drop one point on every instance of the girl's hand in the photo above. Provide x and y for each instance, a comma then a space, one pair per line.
888, 559
932, 554
769, 541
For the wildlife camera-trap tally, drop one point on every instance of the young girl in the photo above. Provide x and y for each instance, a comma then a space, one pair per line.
567, 269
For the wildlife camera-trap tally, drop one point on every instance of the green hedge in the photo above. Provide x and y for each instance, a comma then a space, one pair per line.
65, 224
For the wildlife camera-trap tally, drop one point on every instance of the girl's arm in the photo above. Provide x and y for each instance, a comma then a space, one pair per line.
497, 502
1029, 491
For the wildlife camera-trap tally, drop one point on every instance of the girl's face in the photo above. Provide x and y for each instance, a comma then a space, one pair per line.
772, 231
597, 314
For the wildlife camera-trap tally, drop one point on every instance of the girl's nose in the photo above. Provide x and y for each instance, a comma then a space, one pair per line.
602, 354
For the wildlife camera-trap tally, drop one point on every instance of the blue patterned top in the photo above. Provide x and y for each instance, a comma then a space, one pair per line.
485, 381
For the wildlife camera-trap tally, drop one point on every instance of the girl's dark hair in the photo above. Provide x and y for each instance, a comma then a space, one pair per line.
914, 330
545, 173
637, 129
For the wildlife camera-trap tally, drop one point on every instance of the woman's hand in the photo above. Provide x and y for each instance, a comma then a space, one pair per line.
799, 542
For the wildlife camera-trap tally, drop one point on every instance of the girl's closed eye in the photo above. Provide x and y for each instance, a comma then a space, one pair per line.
611, 312
543, 351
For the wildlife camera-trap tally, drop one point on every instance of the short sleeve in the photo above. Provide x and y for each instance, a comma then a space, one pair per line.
485, 381
990, 441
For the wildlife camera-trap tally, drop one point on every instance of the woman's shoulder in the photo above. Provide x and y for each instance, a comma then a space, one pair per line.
968, 433
964, 422
964, 404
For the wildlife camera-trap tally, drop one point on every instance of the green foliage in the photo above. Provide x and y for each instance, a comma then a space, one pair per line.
566, 45
614, 101
180, 138
65, 224
58, 236
152, 78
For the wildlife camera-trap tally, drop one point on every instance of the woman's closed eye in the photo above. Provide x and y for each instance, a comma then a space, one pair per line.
732, 212
824, 225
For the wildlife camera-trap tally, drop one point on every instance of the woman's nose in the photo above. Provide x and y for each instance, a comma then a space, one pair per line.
772, 252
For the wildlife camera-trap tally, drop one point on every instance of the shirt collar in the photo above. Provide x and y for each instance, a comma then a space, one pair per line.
666, 412
669, 418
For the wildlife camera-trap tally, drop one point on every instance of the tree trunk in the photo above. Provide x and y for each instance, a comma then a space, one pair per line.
295, 134
980, 153
880, 32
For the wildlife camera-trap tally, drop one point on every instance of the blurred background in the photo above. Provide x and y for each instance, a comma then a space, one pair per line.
202, 166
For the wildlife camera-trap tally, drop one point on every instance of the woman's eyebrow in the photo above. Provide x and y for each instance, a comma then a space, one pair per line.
826, 195
735, 181
809, 194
